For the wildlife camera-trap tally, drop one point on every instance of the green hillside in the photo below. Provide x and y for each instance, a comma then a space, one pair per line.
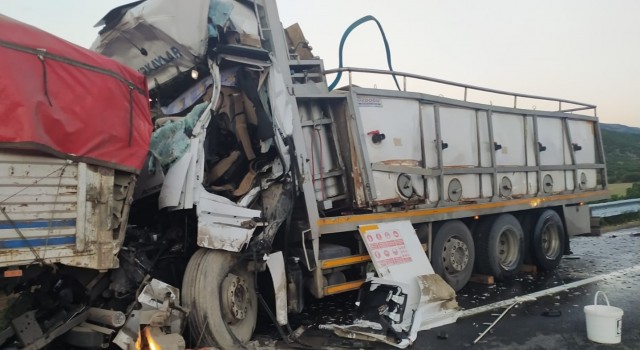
622, 152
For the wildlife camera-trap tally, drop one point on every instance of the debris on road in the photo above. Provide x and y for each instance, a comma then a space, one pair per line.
407, 297
160, 319
552, 313
495, 322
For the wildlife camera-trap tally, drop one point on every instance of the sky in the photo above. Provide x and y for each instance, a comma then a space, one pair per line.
581, 50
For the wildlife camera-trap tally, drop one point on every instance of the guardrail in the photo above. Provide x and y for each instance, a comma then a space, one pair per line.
603, 210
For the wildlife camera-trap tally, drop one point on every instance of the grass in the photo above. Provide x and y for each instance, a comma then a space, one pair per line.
620, 189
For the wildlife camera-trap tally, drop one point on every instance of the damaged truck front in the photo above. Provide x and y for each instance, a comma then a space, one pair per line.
256, 164
220, 171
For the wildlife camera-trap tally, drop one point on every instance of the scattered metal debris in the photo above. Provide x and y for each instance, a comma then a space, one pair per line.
552, 313
495, 322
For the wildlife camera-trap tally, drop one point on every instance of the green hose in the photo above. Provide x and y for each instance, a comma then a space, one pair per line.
344, 38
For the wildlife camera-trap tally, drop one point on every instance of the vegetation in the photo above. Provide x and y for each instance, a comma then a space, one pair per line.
619, 189
633, 191
620, 219
622, 153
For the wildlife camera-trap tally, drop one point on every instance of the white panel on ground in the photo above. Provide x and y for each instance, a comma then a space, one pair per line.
400, 261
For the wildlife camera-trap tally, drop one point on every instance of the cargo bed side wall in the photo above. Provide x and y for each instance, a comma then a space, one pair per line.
469, 153
60, 211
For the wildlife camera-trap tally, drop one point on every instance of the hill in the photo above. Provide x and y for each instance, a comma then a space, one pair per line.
620, 128
622, 152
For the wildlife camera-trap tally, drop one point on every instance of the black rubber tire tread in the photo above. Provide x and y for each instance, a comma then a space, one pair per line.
189, 286
445, 231
486, 241
214, 267
541, 260
528, 221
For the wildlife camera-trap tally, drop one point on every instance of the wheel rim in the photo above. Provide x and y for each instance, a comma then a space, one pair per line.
508, 248
550, 241
235, 301
455, 255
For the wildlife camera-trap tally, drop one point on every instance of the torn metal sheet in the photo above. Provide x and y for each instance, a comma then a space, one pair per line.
155, 293
364, 333
189, 97
395, 250
279, 277
171, 35
159, 308
222, 224
407, 298
128, 334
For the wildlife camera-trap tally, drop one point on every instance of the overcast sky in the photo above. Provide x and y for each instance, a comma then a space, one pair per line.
583, 50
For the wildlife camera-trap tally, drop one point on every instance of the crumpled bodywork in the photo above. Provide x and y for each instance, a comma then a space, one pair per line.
157, 37
216, 154
407, 297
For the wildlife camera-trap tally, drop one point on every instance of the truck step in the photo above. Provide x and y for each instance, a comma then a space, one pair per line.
344, 261
343, 287
349, 260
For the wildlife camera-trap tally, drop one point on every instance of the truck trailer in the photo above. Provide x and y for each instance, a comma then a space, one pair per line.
257, 162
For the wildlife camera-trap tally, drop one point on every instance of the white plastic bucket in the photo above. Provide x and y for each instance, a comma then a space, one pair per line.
604, 322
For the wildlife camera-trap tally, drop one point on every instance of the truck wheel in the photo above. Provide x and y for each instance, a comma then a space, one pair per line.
500, 247
453, 253
547, 240
219, 290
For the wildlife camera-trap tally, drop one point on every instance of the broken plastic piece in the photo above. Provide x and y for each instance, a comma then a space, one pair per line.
552, 313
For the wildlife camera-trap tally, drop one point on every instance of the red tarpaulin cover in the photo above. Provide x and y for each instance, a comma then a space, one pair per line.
69, 101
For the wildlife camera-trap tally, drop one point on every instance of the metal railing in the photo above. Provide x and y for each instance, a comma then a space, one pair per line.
603, 210
580, 106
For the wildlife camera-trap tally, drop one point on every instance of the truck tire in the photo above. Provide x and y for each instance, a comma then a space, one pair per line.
548, 240
499, 247
453, 253
219, 289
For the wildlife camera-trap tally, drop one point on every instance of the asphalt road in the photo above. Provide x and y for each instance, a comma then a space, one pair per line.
550, 322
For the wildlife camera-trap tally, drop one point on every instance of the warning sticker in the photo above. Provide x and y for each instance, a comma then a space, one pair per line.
387, 247
395, 250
